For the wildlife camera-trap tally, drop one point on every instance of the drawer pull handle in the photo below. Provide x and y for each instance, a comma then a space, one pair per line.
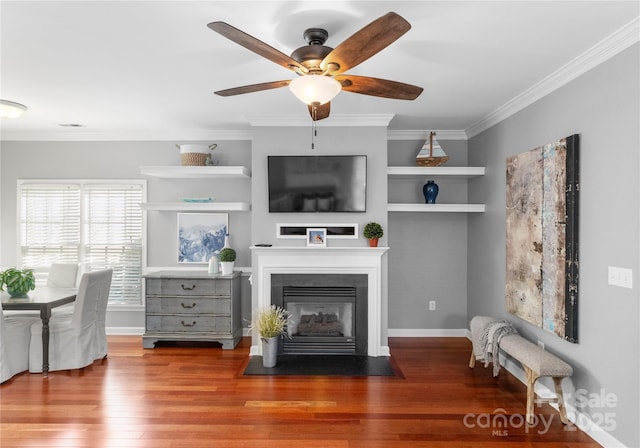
184, 324
184, 305
188, 289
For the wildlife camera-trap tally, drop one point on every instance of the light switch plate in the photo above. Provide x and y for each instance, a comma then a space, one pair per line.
621, 277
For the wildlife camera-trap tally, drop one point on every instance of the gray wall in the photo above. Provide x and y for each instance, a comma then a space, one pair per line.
428, 256
122, 160
601, 106
370, 141
420, 260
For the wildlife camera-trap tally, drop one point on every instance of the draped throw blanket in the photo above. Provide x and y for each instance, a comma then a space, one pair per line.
490, 342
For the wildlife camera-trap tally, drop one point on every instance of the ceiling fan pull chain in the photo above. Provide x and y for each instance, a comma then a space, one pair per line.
314, 131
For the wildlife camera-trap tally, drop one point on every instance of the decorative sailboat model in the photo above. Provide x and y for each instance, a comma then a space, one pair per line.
431, 153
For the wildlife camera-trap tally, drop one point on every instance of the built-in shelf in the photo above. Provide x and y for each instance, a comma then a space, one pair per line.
436, 171
459, 171
195, 172
436, 208
196, 206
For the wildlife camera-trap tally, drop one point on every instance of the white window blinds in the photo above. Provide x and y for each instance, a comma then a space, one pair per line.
96, 224
49, 224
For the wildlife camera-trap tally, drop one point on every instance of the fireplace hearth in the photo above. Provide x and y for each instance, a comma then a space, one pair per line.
328, 312
268, 262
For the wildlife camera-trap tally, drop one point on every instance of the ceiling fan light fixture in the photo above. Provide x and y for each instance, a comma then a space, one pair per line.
9, 109
315, 89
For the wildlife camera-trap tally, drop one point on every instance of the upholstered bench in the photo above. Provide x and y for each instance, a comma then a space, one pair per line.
536, 362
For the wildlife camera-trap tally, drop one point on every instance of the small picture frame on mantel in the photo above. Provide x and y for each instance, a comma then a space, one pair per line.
316, 237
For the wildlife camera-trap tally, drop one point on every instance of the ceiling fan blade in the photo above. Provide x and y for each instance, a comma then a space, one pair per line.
320, 112
257, 46
371, 39
253, 88
379, 87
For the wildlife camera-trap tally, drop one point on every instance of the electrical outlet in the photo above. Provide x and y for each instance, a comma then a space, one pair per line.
541, 344
621, 277
432, 305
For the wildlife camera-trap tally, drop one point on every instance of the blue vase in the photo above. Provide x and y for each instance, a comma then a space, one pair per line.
430, 192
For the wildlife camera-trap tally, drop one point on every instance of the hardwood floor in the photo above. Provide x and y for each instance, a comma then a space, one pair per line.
186, 396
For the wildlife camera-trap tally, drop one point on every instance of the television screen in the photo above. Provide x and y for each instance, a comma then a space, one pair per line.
316, 184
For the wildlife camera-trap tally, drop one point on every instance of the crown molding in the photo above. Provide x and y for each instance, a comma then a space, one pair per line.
333, 120
596, 55
443, 134
237, 135
81, 135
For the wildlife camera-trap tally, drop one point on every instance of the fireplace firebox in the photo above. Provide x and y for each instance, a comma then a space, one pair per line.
328, 312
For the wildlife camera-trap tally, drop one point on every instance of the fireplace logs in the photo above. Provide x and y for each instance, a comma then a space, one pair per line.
321, 324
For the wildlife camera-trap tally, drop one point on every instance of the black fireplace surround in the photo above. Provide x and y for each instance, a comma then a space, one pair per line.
328, 313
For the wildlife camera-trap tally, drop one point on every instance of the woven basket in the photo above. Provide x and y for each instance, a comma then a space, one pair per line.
193, 158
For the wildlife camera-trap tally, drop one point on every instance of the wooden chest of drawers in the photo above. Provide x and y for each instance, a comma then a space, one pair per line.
195, 306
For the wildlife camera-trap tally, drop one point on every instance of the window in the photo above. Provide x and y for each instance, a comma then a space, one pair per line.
98, 224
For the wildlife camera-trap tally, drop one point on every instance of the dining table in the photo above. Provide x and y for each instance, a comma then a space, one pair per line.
43, 299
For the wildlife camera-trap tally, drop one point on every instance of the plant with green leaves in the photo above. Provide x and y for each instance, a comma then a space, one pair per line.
18, 281
227, 255
373, 230
270, 322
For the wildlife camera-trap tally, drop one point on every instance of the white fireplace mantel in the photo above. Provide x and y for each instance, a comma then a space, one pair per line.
267, 261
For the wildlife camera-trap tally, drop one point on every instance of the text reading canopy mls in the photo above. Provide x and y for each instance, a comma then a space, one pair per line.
317, 184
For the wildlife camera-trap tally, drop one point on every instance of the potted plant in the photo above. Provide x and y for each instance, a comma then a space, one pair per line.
227, 258
373, 231
19, 281
270, 323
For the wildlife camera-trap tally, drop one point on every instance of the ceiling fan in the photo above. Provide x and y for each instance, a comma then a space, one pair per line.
321, 69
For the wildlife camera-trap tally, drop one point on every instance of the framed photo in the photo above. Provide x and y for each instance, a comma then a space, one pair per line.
334, 231
200, 235
317, 237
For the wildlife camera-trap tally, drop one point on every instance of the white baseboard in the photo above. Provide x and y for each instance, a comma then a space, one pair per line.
424, 333
581, 420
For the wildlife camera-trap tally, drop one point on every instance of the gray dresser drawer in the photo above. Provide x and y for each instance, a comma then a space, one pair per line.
188, 305
189, 324
192, 306
188, 287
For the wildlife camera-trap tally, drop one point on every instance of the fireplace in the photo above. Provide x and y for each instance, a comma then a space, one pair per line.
328, 312
370, 262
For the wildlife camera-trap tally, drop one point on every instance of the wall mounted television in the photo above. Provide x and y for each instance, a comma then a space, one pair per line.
317, 184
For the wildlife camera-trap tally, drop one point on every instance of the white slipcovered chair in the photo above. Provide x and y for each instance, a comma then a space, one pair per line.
71, 338
100, 345
63, 275
15, 335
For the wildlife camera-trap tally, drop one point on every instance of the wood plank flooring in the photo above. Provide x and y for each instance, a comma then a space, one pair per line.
196, 396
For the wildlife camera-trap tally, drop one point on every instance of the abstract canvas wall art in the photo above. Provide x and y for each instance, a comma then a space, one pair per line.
542, 236
200, 236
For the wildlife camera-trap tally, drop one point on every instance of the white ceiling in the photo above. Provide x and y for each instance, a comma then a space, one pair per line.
148, 69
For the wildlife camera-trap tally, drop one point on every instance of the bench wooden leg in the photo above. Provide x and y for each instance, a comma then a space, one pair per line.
531, 381
557, 382
472, 361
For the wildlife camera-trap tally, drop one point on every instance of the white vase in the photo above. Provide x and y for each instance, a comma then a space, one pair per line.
226, 267
269, 351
